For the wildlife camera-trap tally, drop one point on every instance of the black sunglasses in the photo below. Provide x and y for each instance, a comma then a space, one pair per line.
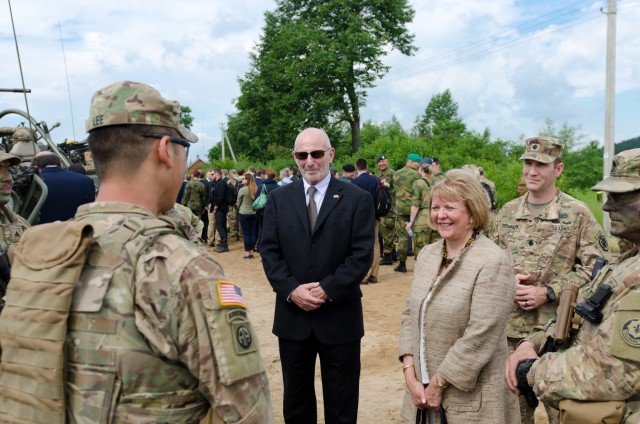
177, 140
316, 154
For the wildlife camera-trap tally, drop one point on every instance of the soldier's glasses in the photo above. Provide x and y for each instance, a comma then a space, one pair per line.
316, 154
177, 140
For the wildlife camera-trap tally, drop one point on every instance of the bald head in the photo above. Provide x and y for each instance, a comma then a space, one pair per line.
313, 154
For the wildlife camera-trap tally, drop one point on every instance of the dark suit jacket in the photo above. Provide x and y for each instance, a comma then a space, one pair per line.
338, 254
67, 191
367, 182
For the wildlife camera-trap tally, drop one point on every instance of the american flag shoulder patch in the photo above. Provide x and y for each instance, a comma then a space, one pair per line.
230, 295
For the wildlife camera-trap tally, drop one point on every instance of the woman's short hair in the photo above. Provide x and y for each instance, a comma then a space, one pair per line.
462, 186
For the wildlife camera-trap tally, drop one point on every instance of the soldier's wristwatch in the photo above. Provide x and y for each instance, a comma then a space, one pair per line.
551, 295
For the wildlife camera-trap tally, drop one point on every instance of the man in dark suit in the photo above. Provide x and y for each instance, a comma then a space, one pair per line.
370, 183
66, 190
219, 207
315, 271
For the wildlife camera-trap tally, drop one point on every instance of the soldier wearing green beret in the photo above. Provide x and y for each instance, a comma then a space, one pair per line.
551, 238
596, 377
403, 181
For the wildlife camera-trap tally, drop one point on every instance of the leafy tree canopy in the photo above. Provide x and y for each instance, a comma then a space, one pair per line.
440, 118
185, 116
313, 66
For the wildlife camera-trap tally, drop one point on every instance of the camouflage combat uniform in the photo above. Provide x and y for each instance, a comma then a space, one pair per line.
422, 233
194, 196
190, 224
233, 223
403, 181
13, 225
388, 223
165, 347
437, 177
603, 362
561, 245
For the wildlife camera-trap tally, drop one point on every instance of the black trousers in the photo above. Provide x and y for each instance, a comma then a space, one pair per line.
205, 220
340, 370
221, 226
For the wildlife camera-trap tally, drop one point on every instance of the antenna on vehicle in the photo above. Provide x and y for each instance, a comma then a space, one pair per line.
73, 126
24, 89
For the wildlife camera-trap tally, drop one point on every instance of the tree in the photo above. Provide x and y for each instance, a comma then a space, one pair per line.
313, 65
185, 117
568, 135
440, 118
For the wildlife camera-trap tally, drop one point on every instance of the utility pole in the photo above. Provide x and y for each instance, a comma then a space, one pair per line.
225, 139
610, 103
223, 136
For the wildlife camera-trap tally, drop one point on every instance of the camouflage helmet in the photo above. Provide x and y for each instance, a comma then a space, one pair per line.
542, 149
127, 102
22, 134
12, 159
625, 173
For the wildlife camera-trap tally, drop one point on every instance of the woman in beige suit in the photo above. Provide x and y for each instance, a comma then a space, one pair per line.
453, 344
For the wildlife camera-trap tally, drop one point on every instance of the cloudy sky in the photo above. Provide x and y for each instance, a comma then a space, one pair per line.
508, 63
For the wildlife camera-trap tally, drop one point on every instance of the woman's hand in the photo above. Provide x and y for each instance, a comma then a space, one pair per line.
415, 387
433, 394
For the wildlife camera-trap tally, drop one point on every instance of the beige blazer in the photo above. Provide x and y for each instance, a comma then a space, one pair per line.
464, 331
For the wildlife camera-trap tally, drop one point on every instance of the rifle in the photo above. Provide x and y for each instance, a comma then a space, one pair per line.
566, 310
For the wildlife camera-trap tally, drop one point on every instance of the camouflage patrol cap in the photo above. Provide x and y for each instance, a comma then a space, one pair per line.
22, 134
542, 149
625, 173
127, 102
12, 159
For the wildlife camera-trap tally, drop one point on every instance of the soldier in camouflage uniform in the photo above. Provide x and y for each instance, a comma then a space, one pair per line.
551, 239
194, 195
403, 182
437, 174
13, 225
190, 224
603, 361
387, 224
232, 216
164, 338
421, 208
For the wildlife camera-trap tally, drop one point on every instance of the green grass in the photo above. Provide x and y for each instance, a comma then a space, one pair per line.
590, 198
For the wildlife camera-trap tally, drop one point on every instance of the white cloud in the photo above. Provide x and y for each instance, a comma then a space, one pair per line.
194, 51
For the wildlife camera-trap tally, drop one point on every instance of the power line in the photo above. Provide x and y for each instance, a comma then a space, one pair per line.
531, 25
490, 45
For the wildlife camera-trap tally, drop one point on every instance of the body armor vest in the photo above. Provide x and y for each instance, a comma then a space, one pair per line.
114, 375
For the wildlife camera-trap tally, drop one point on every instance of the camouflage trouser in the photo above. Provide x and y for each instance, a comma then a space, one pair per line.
527, 415
403, 237
233, 223
423, 237
388, 231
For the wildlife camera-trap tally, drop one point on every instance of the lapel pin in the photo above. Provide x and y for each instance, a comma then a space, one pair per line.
336, 196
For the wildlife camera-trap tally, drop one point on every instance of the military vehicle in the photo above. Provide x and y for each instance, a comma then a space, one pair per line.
25, 141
